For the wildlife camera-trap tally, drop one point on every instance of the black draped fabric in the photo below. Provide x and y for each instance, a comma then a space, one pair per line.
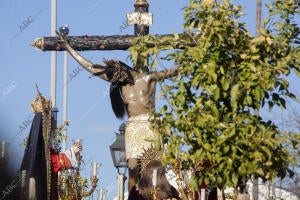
135, 195
34, 161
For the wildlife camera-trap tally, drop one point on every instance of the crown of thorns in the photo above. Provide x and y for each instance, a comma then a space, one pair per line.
149, 155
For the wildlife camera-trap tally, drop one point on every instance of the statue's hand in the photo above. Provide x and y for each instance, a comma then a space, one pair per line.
76, 147
62, 38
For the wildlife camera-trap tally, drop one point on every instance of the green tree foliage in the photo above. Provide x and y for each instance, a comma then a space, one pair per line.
226, 75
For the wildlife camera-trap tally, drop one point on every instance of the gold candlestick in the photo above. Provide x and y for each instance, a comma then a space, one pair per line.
94, 181
72, 186
154, 193
189, 191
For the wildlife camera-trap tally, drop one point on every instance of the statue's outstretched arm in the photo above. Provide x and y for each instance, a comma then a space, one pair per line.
94, 69
163, 74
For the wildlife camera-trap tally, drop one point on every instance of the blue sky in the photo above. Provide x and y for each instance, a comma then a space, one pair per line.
89, 108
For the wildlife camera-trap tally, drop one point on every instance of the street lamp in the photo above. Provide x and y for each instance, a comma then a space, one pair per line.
117, 149
118, 154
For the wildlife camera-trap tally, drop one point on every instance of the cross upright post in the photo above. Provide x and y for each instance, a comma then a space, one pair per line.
141, 7
140, 28
141, 20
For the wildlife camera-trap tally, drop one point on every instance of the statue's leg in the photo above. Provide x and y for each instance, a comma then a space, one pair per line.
133, 172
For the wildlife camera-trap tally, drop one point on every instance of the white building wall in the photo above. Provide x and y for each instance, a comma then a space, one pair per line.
264, 192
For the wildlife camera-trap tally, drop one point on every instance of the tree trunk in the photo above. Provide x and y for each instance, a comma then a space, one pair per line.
257, 34
255, 189
258, 17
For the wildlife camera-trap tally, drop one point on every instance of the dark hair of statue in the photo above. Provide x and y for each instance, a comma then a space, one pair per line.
145, 184
117, 103
118, 74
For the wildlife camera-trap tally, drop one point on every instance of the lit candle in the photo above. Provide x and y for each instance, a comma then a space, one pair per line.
23, 181
3, 149
190, 174
95, 167
104, 194
187, 176
154, 178
202, 195
32, 192
101, 194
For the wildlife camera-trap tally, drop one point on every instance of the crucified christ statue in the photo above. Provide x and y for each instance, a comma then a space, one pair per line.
132, 92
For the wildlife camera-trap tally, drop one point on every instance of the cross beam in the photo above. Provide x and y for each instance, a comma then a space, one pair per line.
82, 43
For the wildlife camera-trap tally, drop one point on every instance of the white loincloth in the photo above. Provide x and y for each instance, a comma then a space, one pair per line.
136, 133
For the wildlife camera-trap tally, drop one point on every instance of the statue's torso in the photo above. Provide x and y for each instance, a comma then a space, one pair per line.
140, 97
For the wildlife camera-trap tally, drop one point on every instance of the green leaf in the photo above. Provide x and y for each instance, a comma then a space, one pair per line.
234, 93
225, 84
297, 72
207, 146
257, 93
216, 94
249, 100
215, 111
176, 36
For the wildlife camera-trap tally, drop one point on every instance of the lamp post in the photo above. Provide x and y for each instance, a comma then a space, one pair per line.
64, 30
118, 154
3, 160
117, 149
